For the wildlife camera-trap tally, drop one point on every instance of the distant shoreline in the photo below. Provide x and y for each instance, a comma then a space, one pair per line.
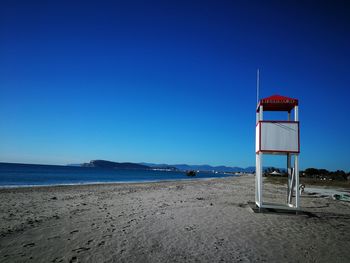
14, 187
19, 176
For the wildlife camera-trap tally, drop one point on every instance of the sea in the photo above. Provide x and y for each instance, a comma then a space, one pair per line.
26, 175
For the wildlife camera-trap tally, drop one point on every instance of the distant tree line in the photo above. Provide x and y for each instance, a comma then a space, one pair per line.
321, 174
314, 173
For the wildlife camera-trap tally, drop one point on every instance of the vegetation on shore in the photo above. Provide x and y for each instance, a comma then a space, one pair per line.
311, 176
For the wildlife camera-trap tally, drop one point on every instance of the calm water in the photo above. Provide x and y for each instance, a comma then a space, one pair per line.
12, 175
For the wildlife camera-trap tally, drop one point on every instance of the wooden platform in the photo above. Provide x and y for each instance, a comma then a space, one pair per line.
278, 209
278, 206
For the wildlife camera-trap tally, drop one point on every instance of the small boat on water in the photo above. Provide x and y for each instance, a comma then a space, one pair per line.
191, 173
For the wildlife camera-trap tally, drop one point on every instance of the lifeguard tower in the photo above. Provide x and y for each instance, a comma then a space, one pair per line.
278, 137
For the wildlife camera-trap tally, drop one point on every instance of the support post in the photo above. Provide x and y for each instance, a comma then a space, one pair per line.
296, 168
296, 165
261, 180
296, 115
256, 180
256, 162
289, 172
291, 188
258, 174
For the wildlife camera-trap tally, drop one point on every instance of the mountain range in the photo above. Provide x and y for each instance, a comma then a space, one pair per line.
203, 167
181, 167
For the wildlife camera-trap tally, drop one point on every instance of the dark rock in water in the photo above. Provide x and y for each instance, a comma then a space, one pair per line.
191, 173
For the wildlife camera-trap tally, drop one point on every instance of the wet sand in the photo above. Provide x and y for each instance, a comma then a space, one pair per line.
183, 221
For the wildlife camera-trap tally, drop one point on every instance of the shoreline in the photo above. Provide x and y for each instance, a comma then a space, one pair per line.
4, 187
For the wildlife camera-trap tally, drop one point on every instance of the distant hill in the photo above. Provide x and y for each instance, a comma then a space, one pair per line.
169, 167
205, 167
109, 164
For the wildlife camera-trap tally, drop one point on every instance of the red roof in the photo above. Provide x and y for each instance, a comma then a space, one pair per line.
278, 103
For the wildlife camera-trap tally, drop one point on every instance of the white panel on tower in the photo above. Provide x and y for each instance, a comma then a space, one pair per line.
276, 136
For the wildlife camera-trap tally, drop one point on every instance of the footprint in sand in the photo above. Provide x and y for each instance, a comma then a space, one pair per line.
57, 260
190, 228
101, 243
241, 205
73, 259
54, 237
29, 245
80, 249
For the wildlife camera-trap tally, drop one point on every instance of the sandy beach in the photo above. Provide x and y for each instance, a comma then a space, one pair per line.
179, 221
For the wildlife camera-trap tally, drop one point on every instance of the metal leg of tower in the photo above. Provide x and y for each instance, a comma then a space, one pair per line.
289, 172
296, 168
289, 181
291, 189
256, 180
258, 174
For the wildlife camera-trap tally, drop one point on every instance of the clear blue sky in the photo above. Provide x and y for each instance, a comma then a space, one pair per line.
169, 81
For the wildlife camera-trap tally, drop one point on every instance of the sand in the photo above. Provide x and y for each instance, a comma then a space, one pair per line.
180, 221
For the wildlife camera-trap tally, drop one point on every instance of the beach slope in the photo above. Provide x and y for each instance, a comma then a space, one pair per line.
179, 221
